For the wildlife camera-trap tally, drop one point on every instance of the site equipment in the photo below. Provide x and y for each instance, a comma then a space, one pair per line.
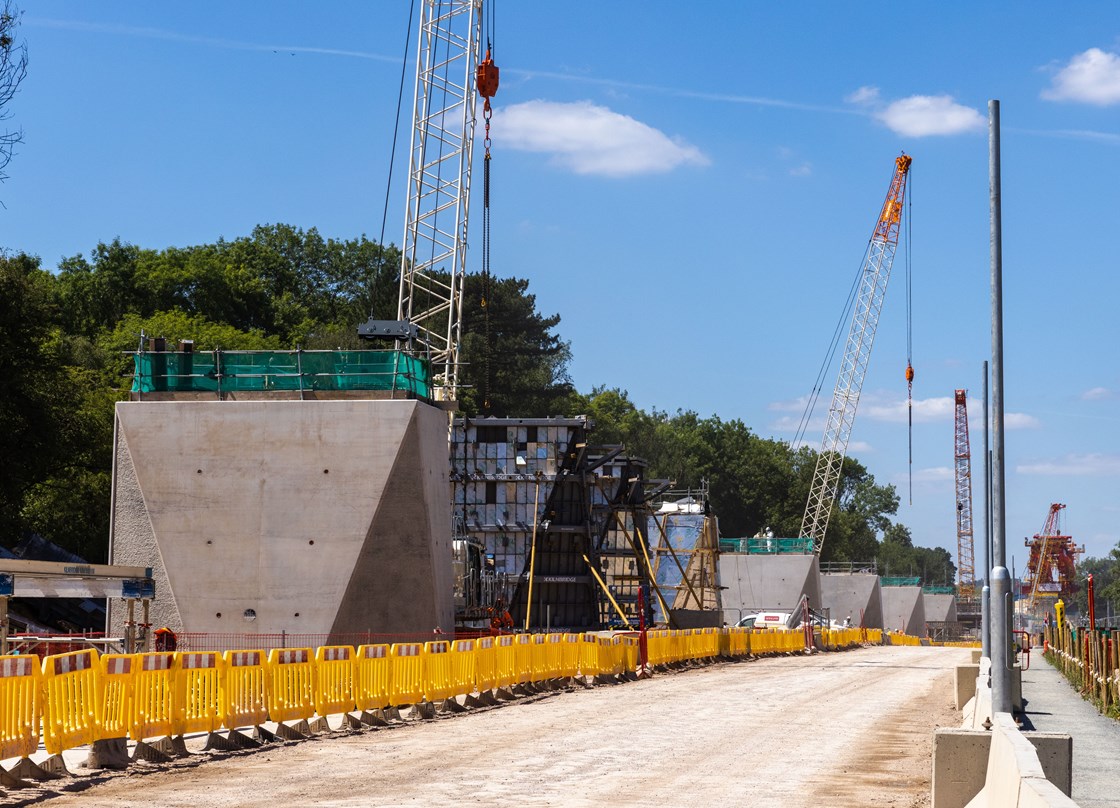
962, 470
875, 273
433, 259
1050, 568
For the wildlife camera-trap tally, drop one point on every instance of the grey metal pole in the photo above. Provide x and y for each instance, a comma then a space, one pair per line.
1001, 583
985, 592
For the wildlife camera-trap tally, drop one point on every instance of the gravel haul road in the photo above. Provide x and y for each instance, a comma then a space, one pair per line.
838, 729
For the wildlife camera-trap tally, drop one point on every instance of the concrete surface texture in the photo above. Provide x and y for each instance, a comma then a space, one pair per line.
308, 517
1050, 704
767, 583
856, 594
838, 730
903, 610
939, 608
1014, 775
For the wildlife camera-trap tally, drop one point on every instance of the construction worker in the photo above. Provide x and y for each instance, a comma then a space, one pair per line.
165, 639
500, 619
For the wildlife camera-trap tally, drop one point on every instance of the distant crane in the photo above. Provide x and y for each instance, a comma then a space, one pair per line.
962, 469
1050, 568
874, 275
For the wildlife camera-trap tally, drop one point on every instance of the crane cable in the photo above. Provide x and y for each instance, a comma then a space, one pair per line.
486, 79
910, 341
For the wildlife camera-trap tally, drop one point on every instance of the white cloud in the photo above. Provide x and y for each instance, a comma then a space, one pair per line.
1097, 394
864, 96
935, 474
590, 139
1092, 77
921, 115
1074, 465
803, 170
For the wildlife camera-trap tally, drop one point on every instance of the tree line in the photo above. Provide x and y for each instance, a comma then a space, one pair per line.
65, 334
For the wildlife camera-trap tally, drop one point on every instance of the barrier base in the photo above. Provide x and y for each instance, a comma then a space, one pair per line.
7, 780
424, 710
232, 741
375, 718
108, 753
28, 769
452, 706
299, 732
504, 694
318, 726
159, 751
351, 721
606, 679
483, 699
523, 689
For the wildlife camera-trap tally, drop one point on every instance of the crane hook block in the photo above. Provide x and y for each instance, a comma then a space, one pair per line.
909, 373
486, 77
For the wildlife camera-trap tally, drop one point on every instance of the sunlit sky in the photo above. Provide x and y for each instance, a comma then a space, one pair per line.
690, 186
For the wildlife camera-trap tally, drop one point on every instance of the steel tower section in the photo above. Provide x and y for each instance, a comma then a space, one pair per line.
874, 275
962, 467
433, 259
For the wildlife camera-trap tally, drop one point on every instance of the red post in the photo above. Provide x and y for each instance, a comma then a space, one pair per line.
1092, 606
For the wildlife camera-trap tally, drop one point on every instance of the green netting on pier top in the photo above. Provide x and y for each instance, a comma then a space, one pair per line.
939, 590
915, 581
801, 546
250, 371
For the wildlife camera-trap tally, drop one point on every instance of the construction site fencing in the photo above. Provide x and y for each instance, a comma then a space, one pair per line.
1090, 659
898, 638
76, 698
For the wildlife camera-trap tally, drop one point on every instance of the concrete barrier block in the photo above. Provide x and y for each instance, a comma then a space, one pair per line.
1055, 753
966, 683
1034, 793
960, 764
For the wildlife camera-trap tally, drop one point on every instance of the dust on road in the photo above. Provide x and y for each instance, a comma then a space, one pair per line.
839, 729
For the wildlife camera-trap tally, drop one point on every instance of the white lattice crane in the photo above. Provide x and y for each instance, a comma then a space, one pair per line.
962, 475
873, 279
434, 255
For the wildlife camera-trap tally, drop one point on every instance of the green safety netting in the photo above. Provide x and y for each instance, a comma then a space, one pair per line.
939, 590
915, 581
767, 546
237, 371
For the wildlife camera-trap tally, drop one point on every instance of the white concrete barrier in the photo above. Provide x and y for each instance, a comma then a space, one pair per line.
1015, 778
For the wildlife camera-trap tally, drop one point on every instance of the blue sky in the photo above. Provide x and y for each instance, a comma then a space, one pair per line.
690, 186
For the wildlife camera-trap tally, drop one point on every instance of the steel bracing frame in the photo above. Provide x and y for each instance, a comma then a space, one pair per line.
962, 474
874, 275
433, 259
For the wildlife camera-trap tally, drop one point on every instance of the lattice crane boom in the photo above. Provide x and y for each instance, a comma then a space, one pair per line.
433, 259
857, 353
962, 473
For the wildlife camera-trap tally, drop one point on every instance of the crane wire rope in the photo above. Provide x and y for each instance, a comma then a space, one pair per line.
392, 158
487, 73
910, 340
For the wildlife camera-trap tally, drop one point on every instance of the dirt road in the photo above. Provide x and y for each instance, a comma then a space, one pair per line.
841, 729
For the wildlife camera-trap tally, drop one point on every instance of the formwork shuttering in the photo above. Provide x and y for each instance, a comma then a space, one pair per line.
685, 540
511, 475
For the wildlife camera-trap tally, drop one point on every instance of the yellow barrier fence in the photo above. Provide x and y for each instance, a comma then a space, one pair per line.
291, 694
114, 695
569, 655
20, 681
334, 679
485, 664
523, 657
506, 656
464, 667
541, 667
244, 689
406, 682
589, 655
372, 677
198, 706
71, 699
437, 671
153, 696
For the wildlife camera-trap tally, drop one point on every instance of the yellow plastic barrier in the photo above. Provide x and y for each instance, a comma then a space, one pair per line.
153, 696
198, 679
243, 689
437, 671
629, 654
611, 655
506, 656
711, 642
540, 668
569, 655
20, 680
406, 682
334, 679
372, 677
485, 664
464, 666
114, 694
523, 657
589, 655
71, 703
291, 692
554, 656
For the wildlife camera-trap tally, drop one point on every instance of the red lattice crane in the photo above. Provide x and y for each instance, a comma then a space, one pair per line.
962, 468
1050, 569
